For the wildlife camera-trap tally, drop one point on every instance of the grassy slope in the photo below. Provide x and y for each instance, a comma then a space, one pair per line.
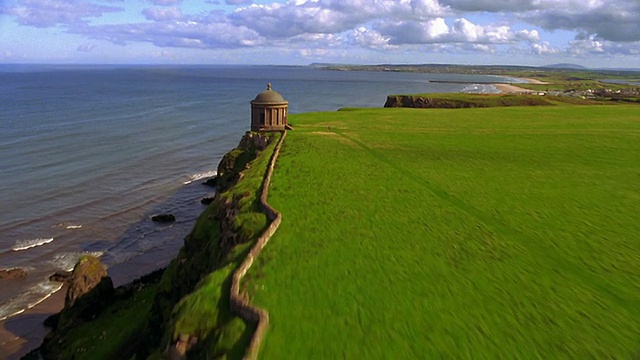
111, 333
205, 312
506, 232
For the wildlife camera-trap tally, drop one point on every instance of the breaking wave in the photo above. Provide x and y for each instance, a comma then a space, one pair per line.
200, 176
30, 298
67, 261
480, 89
30, 243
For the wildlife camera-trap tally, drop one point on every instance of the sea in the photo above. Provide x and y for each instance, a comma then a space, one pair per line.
89, 153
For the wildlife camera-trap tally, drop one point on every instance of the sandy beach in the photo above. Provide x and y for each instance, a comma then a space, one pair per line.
22, 333
513, 89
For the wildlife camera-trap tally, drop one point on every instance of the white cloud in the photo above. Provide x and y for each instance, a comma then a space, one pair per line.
601, 27
370, 39
606, 20
159, 14
46, 13
461, 31
544, 48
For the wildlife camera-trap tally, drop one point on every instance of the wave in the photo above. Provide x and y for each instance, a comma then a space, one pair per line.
480, 89
68, 225
30, 298
30, 243
67, 261
200, 176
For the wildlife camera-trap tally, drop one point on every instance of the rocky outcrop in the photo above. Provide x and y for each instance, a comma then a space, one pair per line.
88, 279
13, 274
163, 218
89, 292
231, 166
207, 200
62, 277
213, 182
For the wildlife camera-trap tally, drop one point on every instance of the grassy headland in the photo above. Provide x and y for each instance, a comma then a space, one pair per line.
568, 82
465, 233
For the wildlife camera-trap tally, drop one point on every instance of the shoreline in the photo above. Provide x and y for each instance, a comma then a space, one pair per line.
512, 89
24, 332
503, 87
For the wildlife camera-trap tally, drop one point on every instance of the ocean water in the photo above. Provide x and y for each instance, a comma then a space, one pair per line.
89, 153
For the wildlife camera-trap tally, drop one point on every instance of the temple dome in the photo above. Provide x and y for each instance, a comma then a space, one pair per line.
269, 97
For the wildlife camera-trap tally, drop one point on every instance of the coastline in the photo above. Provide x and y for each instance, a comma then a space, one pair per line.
21, 333
24, 332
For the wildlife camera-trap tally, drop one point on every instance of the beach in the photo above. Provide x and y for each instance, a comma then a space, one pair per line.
513, 89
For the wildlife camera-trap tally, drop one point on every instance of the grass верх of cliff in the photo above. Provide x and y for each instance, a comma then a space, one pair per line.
466, 233
192, 303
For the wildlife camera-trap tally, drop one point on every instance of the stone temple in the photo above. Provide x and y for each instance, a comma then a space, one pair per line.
269, 111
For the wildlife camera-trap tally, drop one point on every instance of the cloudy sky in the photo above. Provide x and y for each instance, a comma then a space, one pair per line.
595, 33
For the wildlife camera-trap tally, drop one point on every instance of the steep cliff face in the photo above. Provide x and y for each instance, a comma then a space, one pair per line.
459, 101
422, 102
190, 315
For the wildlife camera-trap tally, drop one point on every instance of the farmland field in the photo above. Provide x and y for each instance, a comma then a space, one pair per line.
467, 233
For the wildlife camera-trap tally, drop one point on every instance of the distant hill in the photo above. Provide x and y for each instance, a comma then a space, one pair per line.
565, 66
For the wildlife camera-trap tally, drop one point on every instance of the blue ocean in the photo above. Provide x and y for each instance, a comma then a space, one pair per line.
89, 153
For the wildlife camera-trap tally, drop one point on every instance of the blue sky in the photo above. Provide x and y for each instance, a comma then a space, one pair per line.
595, 33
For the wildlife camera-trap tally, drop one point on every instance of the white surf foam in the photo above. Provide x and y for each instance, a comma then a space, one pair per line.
30, 298
67, 261
67, 225
200, 176
30, 243
480, 89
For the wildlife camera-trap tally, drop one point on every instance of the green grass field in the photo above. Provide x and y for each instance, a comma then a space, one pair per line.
471, 233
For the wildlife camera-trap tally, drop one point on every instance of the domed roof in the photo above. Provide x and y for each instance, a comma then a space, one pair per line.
269, 97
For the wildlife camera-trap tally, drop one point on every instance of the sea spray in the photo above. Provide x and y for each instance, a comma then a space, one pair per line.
200, 176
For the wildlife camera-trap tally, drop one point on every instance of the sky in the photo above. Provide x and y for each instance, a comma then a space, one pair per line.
593, 33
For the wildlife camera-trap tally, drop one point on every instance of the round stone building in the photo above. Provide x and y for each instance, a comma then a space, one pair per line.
269, 111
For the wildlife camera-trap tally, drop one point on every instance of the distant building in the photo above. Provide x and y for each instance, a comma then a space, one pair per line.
269, 111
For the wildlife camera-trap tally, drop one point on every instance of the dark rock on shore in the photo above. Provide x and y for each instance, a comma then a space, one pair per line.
207, 200
13, 274
61, 276
163, 218
211, 182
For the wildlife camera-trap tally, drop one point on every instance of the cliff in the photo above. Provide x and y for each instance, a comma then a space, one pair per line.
458, 101
191, 314
187, 312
